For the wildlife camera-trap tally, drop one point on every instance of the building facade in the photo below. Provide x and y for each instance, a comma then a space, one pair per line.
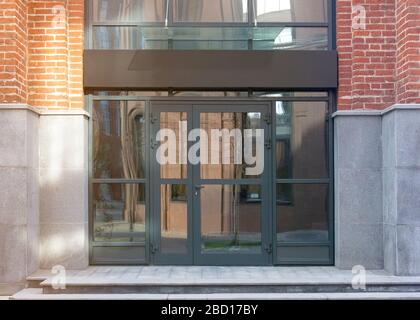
87, 86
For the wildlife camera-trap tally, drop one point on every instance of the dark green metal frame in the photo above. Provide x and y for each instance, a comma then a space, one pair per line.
171, 102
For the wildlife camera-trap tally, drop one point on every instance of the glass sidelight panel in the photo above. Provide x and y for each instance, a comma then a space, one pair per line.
119, 212
173, 219
301, 140
173, 156
226, 157
231, 219
302, 213
118, 149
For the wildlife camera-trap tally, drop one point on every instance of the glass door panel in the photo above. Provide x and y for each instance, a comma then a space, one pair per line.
171, 226
231, 207
210, 189
231, 219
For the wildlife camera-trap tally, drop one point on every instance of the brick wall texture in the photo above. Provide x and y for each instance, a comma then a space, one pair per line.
41, 53
379, 62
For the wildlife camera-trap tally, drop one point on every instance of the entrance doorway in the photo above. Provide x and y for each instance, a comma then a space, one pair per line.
214, 212
214, 209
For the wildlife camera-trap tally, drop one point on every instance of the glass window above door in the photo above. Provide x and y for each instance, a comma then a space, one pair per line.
210, 24
219, 11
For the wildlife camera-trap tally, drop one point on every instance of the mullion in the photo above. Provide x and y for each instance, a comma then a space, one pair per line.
172, 181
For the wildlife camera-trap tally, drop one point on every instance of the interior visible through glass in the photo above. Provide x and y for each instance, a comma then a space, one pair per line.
173, 163
119, 212
230, 148
302, 213
173, 219
231, 219
210, 24
301, 139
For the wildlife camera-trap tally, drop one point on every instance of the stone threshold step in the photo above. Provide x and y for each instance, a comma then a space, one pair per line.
188, 288
37, 294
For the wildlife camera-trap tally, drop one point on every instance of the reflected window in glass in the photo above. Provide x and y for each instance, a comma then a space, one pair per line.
119, 139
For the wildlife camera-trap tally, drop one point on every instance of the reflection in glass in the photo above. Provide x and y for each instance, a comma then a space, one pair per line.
119, 212
174, 121
290, 38
105, 37
279, 94
173, 219
305, 219
231, 219
301, 140
210, 93
118, 139
128, 10
210, 11
291, 10
223, 151
209, 38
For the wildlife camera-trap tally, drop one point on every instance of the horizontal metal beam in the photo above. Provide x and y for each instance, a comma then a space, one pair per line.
146, 69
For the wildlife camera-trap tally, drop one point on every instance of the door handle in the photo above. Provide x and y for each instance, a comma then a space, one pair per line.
198, 189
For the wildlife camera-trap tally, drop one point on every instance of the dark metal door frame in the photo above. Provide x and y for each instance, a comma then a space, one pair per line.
156, 255
194, 255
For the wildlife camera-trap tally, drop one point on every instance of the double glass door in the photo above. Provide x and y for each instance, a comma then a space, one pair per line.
210, 193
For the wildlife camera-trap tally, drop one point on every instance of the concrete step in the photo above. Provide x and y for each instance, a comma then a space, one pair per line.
37, 294
221, 280
211, 288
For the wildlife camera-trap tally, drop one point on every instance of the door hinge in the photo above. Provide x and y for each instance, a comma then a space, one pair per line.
268, 143
153, 144
153, 118
267, 118
269, 248
153, 249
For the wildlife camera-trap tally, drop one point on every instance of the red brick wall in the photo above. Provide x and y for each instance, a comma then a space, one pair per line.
378, 65
13, 47
43, 60
408, 51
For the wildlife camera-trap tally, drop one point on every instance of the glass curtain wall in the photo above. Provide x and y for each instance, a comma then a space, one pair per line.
210, 24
